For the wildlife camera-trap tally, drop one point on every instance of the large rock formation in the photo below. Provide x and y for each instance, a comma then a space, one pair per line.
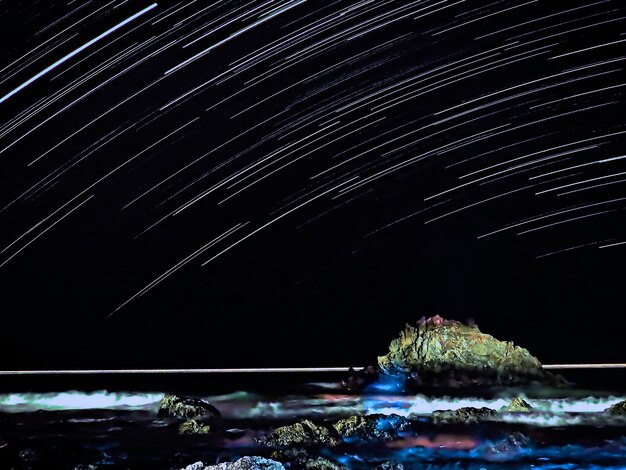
449, 353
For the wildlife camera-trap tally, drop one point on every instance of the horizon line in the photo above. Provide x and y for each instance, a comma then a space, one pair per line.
251, 370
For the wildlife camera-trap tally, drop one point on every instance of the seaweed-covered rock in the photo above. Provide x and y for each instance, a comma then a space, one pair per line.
463, 415
437, 349
194, 426
618, 409
244, 463
374, 426
517, 405
304, 433
185, 407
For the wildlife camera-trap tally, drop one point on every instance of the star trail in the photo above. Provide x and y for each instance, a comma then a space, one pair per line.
207, 159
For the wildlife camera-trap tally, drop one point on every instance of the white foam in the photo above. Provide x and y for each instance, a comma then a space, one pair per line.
75, 400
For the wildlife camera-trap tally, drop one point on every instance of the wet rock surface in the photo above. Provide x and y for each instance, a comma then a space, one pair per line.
304, 433
375, 426
464, 415
187, 407
619, 409
517, 405
320, 463
511, 444
390, 465
194, 426
244, 463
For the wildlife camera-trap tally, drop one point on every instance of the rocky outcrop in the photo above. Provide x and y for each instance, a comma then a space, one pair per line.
185, 407
194, 426
517, 405
244, 463
374, 426
618, 409
304, 433
464, 415
447, 352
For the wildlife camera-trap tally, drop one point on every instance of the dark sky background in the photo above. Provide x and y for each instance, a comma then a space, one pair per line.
284, 183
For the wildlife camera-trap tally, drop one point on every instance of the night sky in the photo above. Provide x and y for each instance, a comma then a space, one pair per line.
287, 182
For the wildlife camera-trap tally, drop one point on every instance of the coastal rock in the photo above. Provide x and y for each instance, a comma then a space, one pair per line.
517, 405
320, 463
374, 426
390, 465
359, 379
618, 409
304, 433
185, 407
449, 352
510, 445
195, 466
463, 415
193, 426
244, 463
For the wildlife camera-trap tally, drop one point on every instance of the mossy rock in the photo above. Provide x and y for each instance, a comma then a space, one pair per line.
194, 426
304, 433
517, 405
464, 415
185, 407
618, 409
435, 349
374, 426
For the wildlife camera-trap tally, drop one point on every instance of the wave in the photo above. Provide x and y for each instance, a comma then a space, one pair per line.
77, 400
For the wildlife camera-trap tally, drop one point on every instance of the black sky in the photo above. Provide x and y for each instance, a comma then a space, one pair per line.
288, 182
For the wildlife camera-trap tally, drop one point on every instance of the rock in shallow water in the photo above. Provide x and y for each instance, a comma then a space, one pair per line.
185, 407
510, 445
304, 433
517, 405
320, 463
390, 465
193, 426
374, 426
464, 415
244, 463
618, 409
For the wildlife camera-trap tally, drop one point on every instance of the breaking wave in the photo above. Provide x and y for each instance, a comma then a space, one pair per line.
75, 400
